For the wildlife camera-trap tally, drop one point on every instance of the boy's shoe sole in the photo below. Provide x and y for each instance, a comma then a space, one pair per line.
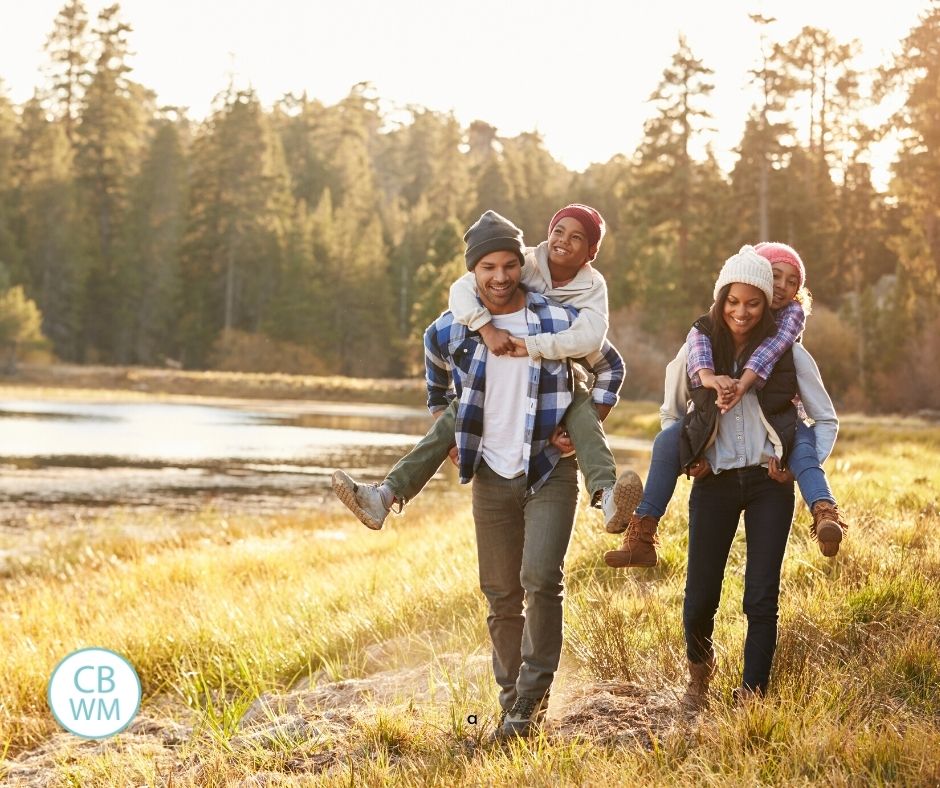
628, 492
345, 489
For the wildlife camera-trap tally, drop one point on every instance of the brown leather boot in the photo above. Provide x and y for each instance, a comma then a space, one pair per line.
639, 544
827, 527
700, 676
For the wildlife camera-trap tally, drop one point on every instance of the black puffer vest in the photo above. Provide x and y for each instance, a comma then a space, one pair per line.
700, 423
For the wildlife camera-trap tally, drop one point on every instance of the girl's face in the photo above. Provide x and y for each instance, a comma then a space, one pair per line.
743, 309
786, 283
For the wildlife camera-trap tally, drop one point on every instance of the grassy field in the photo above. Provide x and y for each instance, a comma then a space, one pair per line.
368, 651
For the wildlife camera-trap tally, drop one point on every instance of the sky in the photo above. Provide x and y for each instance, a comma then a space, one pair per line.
579, 74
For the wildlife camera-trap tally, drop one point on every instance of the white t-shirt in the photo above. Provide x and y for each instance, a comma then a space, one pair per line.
507, 386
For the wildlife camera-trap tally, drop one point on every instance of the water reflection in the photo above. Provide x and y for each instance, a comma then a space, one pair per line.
185, 455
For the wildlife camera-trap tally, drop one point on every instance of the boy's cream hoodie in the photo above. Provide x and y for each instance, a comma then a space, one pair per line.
587, 293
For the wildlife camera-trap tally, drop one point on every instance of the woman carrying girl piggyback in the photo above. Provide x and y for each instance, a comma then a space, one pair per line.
740, 452
790, 306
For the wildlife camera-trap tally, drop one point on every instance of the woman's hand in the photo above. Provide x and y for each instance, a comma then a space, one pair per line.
778, 474
700, 469
561, 440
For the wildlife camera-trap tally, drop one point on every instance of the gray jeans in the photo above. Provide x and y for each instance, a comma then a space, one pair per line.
521, 545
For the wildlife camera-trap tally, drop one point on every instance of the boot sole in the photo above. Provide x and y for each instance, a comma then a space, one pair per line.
620, 560
345, 489
829, 535
628, 492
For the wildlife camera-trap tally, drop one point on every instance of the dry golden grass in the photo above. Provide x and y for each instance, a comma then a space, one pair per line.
218, 612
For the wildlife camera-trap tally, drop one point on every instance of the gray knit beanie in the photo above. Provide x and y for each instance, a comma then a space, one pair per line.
493, 233
750, 268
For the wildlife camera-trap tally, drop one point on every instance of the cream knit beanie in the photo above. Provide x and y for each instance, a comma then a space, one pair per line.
750, 268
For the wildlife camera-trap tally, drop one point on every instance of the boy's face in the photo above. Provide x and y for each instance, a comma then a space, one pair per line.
498, 275
568, 246
786, 283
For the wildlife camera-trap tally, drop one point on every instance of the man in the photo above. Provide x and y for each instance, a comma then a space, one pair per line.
525, 493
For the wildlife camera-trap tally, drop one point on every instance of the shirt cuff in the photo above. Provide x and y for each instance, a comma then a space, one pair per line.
532, 346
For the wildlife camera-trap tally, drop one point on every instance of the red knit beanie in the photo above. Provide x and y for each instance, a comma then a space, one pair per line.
590, 219
781, 253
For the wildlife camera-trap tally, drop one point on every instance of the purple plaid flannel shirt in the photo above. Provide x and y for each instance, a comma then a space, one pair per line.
790, 322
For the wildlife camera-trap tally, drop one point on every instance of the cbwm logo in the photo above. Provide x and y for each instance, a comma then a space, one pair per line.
94, 693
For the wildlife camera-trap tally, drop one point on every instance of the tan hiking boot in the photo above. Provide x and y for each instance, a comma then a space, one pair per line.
700, 676
827, 527
639, 544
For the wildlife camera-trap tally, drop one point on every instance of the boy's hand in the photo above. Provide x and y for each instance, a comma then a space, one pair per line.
561, 440
453, 456
602, 410
498, 340
778, 474
519, 349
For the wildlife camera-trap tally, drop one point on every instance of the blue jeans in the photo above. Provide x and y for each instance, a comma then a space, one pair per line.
804, 465
521, 545
715, 506
665, 469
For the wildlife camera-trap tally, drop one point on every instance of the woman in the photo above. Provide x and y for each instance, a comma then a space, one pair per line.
738, 459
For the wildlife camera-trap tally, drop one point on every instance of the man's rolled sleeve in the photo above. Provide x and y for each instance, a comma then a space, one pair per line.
609, 371
437, 374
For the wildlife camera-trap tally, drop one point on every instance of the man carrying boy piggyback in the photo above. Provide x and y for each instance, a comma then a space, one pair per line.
525, 494
560, 268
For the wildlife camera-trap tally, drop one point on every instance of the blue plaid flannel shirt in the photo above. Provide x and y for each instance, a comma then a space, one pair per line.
790, 319
455, 366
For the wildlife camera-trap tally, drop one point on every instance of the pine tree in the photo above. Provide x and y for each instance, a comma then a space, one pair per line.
111, 138
240, 213
48, 228
69, 48
10, 255
677, 214
158, 205
916, 71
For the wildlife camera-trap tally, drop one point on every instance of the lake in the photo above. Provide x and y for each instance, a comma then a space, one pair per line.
255, 455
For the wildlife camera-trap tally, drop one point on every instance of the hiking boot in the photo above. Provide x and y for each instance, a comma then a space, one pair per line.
619, 501
827, 527
525, 717
363, 500
639, 544
700, 676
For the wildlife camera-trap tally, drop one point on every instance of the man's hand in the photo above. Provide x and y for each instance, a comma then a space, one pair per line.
498, 340
700, 468
453, 456
602, 410
519, 349
561, 440
778, 474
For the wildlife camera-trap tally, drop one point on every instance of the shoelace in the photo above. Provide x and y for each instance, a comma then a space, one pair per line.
523, 707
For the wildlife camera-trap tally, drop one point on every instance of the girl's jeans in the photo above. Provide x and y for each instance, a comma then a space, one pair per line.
715, 506
665, 469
